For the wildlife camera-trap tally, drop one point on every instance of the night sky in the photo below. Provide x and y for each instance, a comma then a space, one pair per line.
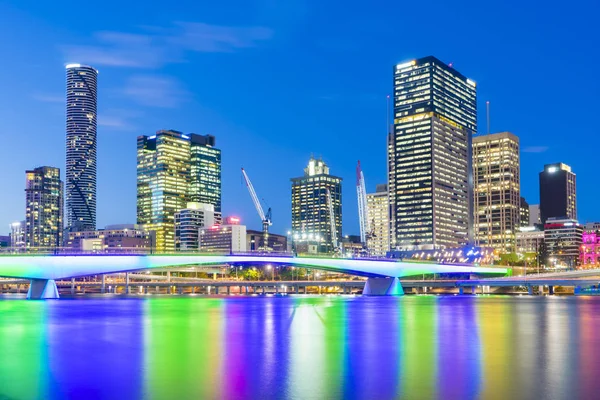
277, 81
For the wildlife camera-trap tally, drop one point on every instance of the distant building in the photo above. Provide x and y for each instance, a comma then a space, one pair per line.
592, 227
255, 241
311, 219
17, 235
524, 212
172, 170
43, 208
352, 246
465, 254
112, 239
378, 204
496, 166
563, 239
189, 222
558, 192
223, 239
534, 215
4, 241
589, 255
529, 239
82, 96
429, 155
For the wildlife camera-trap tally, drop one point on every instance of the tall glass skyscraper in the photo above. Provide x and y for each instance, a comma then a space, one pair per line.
81, 147
205, 171
558, 192
429, 156
43, 208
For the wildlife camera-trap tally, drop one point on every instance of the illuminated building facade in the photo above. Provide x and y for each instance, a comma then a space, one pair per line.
524, 212
80, 187
589, 255
378, 242
529, 239
189, 222
205, 171
563, 239
126, 238
163, 181
558, 192
429, 156
43, 208
17, 235
311, 218
223, 239
255, 241
496, 188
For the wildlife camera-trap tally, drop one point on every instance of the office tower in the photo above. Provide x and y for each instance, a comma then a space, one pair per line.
534, 214
314, 197
429, 156
524, 212
189, 222
496, 187
205, 171
227, 238
563, 238
81, 147
43, 208
558, 192
378, 242
163, 180
255, 241
116, 239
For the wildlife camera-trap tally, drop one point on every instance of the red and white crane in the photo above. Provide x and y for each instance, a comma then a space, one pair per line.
265, 218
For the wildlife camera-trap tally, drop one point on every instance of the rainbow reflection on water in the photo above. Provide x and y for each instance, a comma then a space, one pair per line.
301, 347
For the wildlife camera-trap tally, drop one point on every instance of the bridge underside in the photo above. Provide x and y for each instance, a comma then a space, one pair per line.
44, 270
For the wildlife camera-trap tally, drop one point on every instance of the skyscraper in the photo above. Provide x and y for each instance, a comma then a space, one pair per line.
163, 180
205, 171
429, 155
558, 192
81, 147
496, 185
172, 170
311, 211
43, 208
377, 212
188, 223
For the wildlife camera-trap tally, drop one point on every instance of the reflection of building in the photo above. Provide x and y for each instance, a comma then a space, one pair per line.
529, 239
563, 238
17, 235
497, 190
378, 242
255, 241
223, 239
558, 192
43, 208
188, 223
589, 254
173, 168
534, 215
429, 155
114, 238
311, 219
524, 212
80, 191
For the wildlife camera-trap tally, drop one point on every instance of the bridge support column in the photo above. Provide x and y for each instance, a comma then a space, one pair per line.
168, 276
383, 287
550, 290
530, 290
127, 291
72, 285
461, 290
473, 289
41, 289
541, 290
263, 289
228, 290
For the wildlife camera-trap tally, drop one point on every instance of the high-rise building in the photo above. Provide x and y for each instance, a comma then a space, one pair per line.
17, 235
163, 180
81, 147
534, 215
429, 156
205, 171
189, 222
378, 242
226, 238
172, 169
311, 211
496, 188
563, 238
558, 192
43, 208
524, 212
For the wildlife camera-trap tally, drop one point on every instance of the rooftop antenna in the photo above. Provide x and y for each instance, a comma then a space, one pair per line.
487, 107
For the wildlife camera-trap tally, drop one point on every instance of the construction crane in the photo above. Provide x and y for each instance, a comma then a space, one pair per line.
334, 240
265, 218
363, 211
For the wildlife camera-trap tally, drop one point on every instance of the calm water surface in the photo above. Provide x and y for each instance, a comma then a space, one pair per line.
415, 347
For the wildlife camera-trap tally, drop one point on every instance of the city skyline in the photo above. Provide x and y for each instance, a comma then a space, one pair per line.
264, 136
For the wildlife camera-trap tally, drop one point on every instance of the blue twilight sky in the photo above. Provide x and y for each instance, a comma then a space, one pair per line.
275, 81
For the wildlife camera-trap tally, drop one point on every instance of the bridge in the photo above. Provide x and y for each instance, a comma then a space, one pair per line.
383, 275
